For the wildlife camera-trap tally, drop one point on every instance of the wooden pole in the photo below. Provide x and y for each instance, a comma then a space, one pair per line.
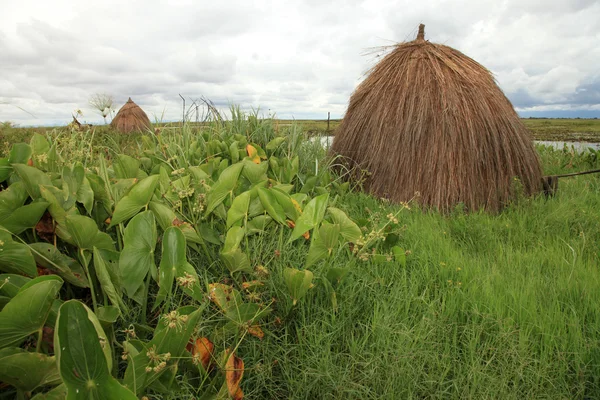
328, 115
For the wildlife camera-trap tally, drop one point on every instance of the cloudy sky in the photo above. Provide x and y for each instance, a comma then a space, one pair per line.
298, 59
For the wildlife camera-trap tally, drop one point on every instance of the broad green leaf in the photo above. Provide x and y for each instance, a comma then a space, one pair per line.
275, 143
348, 228
238, 210
336, 274
85, 233
5, 169
138, 197
11, 199
223, 187
48, 256
137, 257
255, 173
25, 217
107, 315
78, 186
163, 213
269, 202
39, 146
32, 178
173, 256
20, 153
258, 224
171, 336
324, 241
298, 282
286, 203
26, 313
15, 257
105, 281
126, 167
233, 238
26, 370
399, 255
80, 356
311, 216
10, 284
58, 393
236, 261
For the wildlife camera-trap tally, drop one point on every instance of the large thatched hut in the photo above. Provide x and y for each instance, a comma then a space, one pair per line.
431, 124
131, 118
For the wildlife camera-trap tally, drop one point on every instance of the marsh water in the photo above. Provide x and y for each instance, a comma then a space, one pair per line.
326, 141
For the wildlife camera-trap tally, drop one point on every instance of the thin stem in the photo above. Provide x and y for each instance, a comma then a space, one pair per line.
89, 277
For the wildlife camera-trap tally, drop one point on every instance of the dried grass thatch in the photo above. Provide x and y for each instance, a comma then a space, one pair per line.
430, 121
131, 118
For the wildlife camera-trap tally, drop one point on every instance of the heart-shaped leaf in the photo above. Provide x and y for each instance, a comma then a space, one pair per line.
15, 257
26, 313
223, 187
173, 257
81, 359
32, 178
86, 235
270, 203
298, 282
348, 228
138, 197
48, 256
106, 282
137, 257
238, 210
324, 241
26, 370
311, 216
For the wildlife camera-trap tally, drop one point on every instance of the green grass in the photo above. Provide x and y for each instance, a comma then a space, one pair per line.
500, 306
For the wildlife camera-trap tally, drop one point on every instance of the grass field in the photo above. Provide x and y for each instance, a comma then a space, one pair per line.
485, 306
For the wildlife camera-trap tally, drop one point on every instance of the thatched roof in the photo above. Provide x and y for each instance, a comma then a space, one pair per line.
430, 121
131, 118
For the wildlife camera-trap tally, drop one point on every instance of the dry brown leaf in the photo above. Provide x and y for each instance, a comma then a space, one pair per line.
253, 154
234, 370
202, 351
255, 331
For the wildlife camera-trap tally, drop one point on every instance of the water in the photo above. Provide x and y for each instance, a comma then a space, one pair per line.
578, 146
326, 141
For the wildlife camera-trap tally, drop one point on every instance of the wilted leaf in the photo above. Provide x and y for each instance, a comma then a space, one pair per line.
255, 331
202, 352
234, 371
253, 154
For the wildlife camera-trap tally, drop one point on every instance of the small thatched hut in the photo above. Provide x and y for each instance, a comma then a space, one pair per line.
131, 118
430, 123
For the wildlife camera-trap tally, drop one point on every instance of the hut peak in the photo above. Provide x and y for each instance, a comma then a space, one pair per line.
421, 34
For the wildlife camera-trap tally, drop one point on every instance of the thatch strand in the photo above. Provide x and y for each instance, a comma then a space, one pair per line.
131, 118
430, 121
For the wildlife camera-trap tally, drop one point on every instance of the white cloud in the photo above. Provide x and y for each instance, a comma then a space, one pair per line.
298, 59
